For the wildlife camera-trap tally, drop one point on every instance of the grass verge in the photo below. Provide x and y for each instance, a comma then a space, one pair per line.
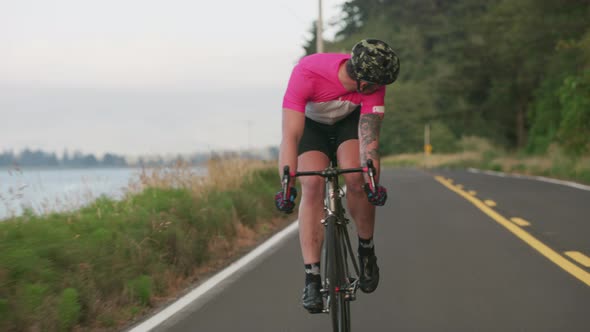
102, 266
478, 153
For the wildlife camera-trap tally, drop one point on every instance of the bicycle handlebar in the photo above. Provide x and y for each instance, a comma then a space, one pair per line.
328, 173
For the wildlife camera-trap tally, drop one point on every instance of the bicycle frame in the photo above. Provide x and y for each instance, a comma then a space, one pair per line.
338, 286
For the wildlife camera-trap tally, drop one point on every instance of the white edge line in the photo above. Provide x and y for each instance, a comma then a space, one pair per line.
187, 299
538, 178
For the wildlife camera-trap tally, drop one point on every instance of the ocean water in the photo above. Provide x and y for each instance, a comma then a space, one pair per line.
47, 190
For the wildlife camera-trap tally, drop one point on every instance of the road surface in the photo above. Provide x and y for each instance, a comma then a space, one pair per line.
452, 258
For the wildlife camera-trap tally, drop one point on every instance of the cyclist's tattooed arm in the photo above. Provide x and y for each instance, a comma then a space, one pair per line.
369, 128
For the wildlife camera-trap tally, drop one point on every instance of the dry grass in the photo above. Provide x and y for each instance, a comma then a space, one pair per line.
225, 174
222, 174
475, 144
583, 164
472, 150
431, 161
181, 175
479, 153
524, 165
438, 160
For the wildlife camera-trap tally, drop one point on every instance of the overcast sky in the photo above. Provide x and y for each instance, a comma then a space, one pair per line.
139, 77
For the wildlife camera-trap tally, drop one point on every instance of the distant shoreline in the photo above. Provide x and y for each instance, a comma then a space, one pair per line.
44, 168
51, 168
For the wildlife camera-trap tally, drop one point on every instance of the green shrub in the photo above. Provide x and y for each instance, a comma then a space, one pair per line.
520, 167
68, 309
488, 156
244, 206
140, 289
562, 166
574, 130
3, 311
31, 297
442, 138
583, 175
474, 144
496, 167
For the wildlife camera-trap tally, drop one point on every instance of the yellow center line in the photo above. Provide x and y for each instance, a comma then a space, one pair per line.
489, 202
543, 249
472, 192
579, 257
520, 221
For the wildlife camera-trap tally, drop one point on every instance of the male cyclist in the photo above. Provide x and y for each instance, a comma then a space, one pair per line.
336, 98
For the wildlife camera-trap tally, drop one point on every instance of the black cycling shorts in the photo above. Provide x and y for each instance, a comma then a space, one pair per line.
327, 138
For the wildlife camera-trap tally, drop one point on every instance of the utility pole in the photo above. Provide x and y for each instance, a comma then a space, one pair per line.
319, 31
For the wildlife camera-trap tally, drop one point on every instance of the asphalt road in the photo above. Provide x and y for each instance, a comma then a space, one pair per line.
447, 263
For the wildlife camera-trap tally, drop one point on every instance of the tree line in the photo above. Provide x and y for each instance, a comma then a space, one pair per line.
77, 159
514, 71
37, 158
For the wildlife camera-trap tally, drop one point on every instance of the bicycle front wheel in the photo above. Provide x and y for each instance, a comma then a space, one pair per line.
339, 306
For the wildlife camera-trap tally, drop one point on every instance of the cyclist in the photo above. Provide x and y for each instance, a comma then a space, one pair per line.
339, 98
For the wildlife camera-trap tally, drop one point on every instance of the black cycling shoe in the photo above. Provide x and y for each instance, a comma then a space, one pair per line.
369, 273
312, 298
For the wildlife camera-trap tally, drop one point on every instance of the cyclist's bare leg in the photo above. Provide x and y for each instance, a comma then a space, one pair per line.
311, 208
363, 214
359, 207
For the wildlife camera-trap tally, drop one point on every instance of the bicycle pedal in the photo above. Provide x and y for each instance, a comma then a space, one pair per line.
350, 297
317, 311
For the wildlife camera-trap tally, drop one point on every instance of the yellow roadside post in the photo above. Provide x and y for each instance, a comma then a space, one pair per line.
427, 145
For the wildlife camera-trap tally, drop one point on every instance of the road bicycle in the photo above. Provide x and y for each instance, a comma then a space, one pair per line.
339, 282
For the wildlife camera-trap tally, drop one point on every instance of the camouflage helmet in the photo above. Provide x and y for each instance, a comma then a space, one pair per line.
374, 61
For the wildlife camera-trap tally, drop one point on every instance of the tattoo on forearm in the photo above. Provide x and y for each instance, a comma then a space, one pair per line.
370, 154
369, 126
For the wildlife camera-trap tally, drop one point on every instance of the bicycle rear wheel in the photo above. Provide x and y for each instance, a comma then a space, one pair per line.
339, 306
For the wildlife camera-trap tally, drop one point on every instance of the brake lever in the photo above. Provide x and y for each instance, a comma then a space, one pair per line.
286, 179
371, 172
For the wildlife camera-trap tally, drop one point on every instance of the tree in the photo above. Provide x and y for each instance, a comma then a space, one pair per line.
7, 158
574, 130
112, 160
310, 46
490, 68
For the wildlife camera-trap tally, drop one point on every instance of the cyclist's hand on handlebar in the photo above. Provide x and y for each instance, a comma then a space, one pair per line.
286, 205
377, 197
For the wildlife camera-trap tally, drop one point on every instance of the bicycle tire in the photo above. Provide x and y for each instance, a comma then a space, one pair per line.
339, 306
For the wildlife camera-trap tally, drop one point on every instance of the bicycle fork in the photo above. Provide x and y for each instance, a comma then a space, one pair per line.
350, 284
335, 211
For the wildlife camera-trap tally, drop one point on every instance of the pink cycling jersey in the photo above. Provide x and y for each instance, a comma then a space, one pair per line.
314, 88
